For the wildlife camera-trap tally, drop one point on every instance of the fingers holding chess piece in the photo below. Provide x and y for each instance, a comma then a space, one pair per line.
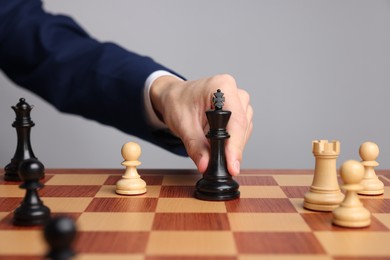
131, 182
351, 212
369, 152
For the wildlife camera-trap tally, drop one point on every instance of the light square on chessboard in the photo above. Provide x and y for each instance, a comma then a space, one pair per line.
361, 243
11, 191
109, 256
194, 243
31, 241
61, 205
191, 221
188, 257
186, 205
107, 191
284, 257
270, 243
124, 242
120, 221
294, 180
7, 224
265, 222
261, 192
3, 215
78, 179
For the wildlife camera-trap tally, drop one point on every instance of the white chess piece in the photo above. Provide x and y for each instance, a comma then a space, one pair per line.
369, 152
131, 183
351, 212
324, 193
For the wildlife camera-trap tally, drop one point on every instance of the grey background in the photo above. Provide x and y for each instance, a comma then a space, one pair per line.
314, 69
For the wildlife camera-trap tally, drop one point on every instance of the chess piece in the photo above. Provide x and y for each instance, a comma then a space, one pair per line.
351, 212
23, 125
131, 183
217, 184
324, 193
60, 233
369, 152
31, 211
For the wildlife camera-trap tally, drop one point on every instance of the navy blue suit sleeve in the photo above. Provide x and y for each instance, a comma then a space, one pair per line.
55, 58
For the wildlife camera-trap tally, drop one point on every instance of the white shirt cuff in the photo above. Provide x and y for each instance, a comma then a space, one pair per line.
153, 119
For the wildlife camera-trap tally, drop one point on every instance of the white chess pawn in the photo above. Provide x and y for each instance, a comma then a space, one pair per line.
369, 152
131, 183
351, 212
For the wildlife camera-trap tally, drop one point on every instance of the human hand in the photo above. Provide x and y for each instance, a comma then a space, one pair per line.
182, 106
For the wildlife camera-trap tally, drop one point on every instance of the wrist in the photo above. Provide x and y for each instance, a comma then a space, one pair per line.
159, 93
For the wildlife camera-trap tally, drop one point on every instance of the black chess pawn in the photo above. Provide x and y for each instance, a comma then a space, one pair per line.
23, 125
60, 233
217, 184
31, 211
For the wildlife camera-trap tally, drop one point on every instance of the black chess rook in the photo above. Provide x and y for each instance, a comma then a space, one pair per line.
23, 125
217, 184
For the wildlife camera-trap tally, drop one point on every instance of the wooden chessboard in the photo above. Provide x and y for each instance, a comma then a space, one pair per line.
267, 222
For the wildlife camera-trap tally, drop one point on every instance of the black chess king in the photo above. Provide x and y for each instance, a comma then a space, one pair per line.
217, 184
23, 125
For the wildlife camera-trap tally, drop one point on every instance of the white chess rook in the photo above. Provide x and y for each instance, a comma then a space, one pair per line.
324, 193
369, 152
351, 212
131, 183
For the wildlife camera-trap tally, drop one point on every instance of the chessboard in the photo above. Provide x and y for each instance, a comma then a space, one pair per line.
268, 221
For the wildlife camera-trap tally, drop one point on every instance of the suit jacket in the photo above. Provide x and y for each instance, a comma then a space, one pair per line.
55, 58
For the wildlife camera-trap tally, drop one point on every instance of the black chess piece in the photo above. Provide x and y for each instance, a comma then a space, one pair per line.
60, 233
217, 183
31, 211
23, 124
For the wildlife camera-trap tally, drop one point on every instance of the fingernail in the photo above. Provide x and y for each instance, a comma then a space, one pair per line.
237, 166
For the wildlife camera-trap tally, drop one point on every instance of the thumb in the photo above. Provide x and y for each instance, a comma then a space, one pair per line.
196, 145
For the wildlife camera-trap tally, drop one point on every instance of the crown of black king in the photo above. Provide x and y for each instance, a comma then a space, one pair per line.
22, 111
218, 100
218, 118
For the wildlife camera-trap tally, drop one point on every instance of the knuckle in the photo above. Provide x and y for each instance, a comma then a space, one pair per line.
241, 121
225, 81
244, 96
191, 147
